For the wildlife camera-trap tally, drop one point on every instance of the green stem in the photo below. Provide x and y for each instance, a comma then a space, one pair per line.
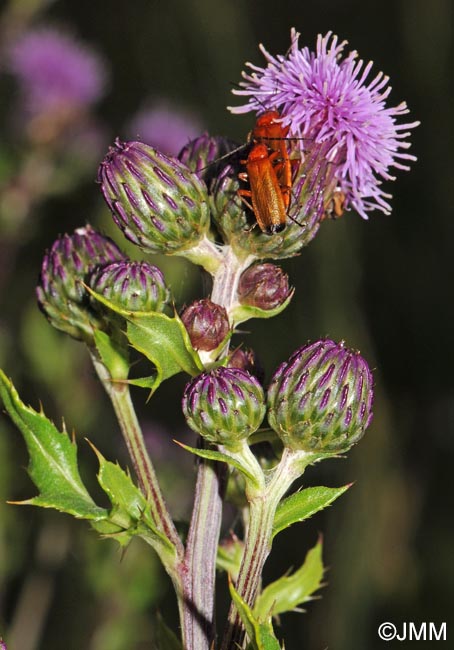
199, 570
124, 409
258, 543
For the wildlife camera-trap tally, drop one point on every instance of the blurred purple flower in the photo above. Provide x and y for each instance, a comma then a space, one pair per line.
325, 97
165, 127
56, 71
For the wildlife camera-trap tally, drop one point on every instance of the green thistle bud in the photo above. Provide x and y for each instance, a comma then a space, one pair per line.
320, 400
207, 324
66, 266
237, 223
133, 286
157, 202
225, 405
264, 286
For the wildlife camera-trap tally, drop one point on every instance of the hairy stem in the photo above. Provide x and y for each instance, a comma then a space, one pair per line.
258, 544
200, 559
120, 396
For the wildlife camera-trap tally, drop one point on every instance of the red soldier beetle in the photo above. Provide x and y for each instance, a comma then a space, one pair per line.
268, 200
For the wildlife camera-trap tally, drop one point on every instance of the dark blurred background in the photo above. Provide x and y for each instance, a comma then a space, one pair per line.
382, 285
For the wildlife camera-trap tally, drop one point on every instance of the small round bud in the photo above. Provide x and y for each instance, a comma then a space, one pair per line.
264, 286
133, 286
225, 405
157, 202
320, 400
246, 359
60, 292
207, 324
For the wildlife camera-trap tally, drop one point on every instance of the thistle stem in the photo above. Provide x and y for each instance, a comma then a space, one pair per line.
199, 571
120, 397
258, 544
200, 559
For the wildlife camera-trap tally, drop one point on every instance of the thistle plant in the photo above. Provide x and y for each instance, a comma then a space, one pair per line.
318, 403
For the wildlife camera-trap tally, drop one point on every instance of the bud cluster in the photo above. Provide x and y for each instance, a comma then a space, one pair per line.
68, 264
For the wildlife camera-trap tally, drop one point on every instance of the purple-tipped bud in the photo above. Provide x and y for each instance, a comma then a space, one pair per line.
134, 286
264, 286
207, 324
320, 400
157, 202
202, 155
225, 405
238, 224
61, 294
246, 359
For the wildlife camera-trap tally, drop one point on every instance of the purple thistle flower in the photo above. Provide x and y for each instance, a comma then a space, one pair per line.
325, 98
56, 71
165, 127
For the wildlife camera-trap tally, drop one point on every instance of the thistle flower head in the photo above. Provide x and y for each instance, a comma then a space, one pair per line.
225, 405
337, 107
56, 71
321, 398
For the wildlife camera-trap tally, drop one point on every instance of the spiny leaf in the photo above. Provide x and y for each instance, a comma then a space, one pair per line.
161, 339
53, 460
113, 356
130, 510
304, 504
289, 592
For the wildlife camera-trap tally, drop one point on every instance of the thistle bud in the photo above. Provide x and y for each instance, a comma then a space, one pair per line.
246, 359
133, 286
66, 266
202, 155
157, 202
225, 405
207, 324
238, 224
321, 398
264, 286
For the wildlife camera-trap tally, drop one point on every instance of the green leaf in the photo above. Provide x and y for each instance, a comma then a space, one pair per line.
219, 456
53, 460
304, 504
113, 355
241, 313
161, 339
130, 510
260, 634
289, 592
